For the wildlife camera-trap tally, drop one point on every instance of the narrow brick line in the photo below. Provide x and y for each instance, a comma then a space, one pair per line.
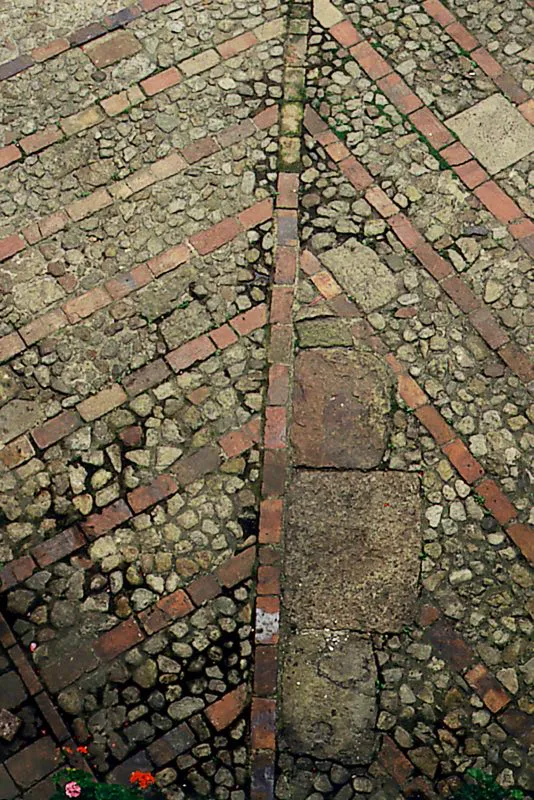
133, 95
80, 308
440, 269
505, 82
409, 104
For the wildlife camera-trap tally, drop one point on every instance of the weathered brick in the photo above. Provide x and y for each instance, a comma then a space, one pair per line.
496, 501
355, 173
411, 392
119, 639
267, 118
523, 537
345, 33
487, 687
10, 345
203, 589
488, 327
406, 232
377, 198
250, 320
176, 605
430, 126
518, 724
8, 790
17, 452
461, 294
449, 645
262, 772
34, 762
127, 282
235, 442
169, 259
521, 228
326, 285
486, 62
471, 174
268, 580
527, 110
10, 68
59, 546
43, 326
50, 50
498, 202
10, 246
215, 237
200, 463
112, 48
200, 63
225, 711
265, 670
285, 270
197, 350
278, 391
275, 434
168, 166
237, 45
456, 154
237, 568
281, 304
9, 154
53, 223
256, 214
16, 572
80, 307
439, 12
518, 361
399, 93
110, 517
82, 120
171, 744
223, 337
462, 36
146, 377
435, 424
41, 139
288, 187
271, 511
274, 472
122, 17
97, 200
159, 489
370, 61
463, 461
56, 428
263, 724
87, 34
52, 717
102, 402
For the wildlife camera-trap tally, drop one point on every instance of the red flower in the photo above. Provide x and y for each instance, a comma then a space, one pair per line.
82, 749
143, 779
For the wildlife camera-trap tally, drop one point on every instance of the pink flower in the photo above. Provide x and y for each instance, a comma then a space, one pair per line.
33, 647
72, 789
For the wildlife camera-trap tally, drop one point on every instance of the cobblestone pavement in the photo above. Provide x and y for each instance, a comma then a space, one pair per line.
265, 424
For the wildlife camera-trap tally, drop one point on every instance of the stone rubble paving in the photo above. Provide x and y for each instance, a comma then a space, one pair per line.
240, 240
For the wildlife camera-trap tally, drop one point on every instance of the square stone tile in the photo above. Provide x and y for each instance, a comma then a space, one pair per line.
495, 132
352, 550
329, 703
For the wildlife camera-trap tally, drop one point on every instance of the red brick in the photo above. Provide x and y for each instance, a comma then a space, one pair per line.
109, 518
511, 88
262, 774
168, 166
523, 537
99, 404
10, 246
399, 93
345, 33
97, 200
153, 620
59, 546
161, 81
343, 307
487, 687
250, 320
449, 646
16, 572
394, 761
274, 472
144, 496
438, 11
265, 671
223, 337
461, 294
406, 232
256, 214
10, 345
41, 139
56, 428
112, 48
281, 304
370, 61
430, 126
496, 501
200, 463
34, 762
497, 202
313, 123
235, 443
50, 50
237, 45
17, 452
288, 187
408, 312
10, 68
52, 718
486, 62
263, 724
253, 428
86, 34
521, 228
53, 223
488, 327
146, 377
267, 118
132, 436
176, 605
435, 424
127, 282
456, 154
200, 149
527, 110
285, 270
411, 392
237, 568
518, 724
119, 639
197, 350
9, 154
518, 362
275, 436
169, 259
268, 580
278, 392
337, 151
471, 174
215, 237
463, 461
377, 198
267, 619
236, 133
80, 307
309, 263
355, 173
271, 511
287, 228
225, 711
427, 616
462, 36
150, 5
203, 589
44, 326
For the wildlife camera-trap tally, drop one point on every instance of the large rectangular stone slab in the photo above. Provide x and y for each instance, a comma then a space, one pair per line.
329, 696
495, 132
340, 404
352, 545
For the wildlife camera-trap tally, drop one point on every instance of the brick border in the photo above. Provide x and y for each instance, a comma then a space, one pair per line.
136, 93
438, 267
264, 706
422, 119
